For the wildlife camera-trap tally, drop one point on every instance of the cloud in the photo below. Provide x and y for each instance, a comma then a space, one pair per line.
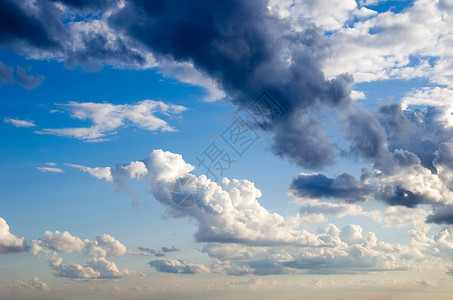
366, 134
354, 252
161, 253
19, 76
49, 170
62, 241
277, 50
9, 243
19, 123
293, 41
242, 237
29, 31
406, 171
226, 212
112, 246
106, 118
329, 15
412, 43
177, 266
444, 162
99, 173
431, 96
186, 72
97, 268
104, 245
344, 186
88, 40
271, 56
167, 250
53, 243
34, 284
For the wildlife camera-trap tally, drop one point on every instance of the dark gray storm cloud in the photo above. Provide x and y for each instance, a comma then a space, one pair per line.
19, 29
418, 131
243, 48
366, 134
345, 187
411, 155
89, 5
236, 43
441, 215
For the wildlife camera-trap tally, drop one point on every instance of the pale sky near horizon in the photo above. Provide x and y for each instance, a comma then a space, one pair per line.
226, 149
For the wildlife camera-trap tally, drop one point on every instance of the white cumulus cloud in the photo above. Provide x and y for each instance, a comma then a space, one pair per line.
9, 243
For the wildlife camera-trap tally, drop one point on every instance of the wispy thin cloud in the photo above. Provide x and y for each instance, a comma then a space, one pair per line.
19, 122
49, 170
107, 118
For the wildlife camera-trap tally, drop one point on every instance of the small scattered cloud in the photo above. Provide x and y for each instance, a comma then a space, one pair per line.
172, 249
99, 173
34, 284
19, 123
49, 170
19, 76
161, 253
357, 95
177, 266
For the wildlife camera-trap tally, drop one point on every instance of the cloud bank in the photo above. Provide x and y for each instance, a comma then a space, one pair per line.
242, 237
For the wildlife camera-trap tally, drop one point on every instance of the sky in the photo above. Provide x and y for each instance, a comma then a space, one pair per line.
226, 149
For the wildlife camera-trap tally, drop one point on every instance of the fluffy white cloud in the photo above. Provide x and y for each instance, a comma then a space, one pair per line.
62, 241
104, 246
434, 97
228, 211
106, 118
242, 237
330, 15
19, 123
353, 252
112, 246
9, 243
417, 184
412, 43
372, 46
431, 96
177, 266
397, 216
98, 268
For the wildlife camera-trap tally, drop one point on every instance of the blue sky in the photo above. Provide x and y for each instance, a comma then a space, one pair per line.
330, 122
